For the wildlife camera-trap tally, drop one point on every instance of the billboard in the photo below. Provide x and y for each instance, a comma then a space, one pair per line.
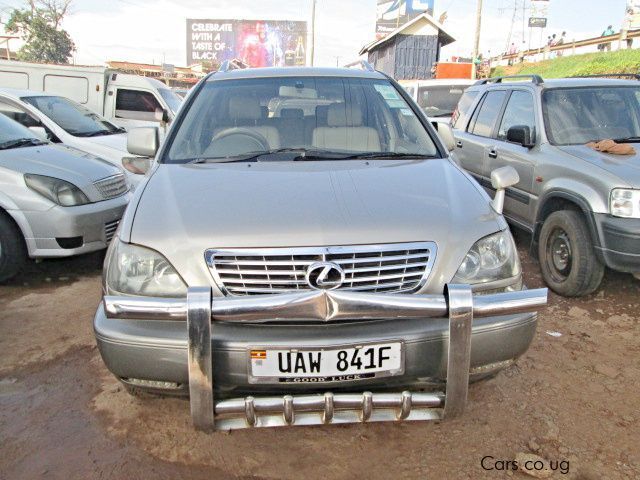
258, 43
391, 14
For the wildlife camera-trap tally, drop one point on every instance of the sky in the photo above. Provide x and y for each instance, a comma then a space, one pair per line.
154, 31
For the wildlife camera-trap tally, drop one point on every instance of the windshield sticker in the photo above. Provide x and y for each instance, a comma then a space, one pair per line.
387, 92
406, 112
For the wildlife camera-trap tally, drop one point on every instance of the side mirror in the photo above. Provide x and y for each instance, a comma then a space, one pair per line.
446, 134
501, 179
143, 141
161, 115
520, 134
137, 165
40, 132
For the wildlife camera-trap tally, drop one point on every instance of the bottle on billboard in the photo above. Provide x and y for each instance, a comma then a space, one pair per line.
301, 55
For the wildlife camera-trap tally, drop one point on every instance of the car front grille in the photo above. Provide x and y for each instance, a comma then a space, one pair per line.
110, 229
112, 187
389, 268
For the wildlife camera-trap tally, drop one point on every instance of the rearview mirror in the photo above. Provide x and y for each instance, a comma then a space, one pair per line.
520, 134
446, 135
143, 141
501, 179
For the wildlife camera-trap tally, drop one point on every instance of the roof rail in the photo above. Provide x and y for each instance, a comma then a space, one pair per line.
633, 76
537, 79
233, 64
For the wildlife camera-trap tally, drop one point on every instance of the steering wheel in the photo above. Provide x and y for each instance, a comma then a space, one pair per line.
226, 143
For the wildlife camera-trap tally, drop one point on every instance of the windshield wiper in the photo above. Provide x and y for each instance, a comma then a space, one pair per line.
302, 153
372, 155
21, 142
444, 114
98, 133
631, 139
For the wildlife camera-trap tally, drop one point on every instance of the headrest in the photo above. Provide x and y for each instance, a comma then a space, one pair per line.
244, 108
292, 113
338, 114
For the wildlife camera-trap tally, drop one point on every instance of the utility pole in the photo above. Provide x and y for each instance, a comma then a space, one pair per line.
476, 43
313, 30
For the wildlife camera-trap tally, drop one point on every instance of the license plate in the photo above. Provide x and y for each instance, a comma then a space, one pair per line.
319, 365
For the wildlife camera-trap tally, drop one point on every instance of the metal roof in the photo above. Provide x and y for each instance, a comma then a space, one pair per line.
446, 37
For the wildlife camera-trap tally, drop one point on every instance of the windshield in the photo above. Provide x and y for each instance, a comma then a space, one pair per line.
73, 117
575, 116
441, 100
317, 114
171, 98
12, 134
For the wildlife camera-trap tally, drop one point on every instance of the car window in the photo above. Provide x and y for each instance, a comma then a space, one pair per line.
17, 114
329, 114
172, 99
440, 100
486, 115
136, 105
519, 111
72, 117
575, 116
461, 113
11, 130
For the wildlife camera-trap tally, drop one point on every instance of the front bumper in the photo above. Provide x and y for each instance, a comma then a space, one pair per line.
66, 231
148, 339
620, 242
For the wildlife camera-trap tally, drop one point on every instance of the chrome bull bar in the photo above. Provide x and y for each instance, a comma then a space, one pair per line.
201, 312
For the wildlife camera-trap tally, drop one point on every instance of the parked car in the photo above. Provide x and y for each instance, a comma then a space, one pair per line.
125, 100
62, 120
294, 256
581, 206
438, 98
54, 200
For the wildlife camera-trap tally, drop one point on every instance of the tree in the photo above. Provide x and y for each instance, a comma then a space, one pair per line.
39, 26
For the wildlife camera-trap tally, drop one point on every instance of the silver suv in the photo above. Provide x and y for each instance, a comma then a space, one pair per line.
582, 206
304, 251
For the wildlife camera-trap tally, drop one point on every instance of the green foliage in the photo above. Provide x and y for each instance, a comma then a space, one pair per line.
620, 61
40, 29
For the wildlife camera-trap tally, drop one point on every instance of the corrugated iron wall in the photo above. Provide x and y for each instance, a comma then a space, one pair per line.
407, 57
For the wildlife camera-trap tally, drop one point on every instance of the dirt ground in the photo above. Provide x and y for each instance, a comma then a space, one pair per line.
573, 399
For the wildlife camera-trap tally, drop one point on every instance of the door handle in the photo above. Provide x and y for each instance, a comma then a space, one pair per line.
493, 154
459, 144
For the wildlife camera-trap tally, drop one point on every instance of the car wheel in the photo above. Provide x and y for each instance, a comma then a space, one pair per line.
567, 259
13, 253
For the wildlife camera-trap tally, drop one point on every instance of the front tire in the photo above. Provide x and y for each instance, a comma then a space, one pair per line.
568, 261
13, 254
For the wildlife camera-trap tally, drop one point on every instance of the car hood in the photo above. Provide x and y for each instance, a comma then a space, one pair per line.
111, 147
57, 161
187, 209
625, 167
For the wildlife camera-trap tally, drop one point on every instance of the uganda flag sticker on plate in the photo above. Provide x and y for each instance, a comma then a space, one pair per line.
258, 354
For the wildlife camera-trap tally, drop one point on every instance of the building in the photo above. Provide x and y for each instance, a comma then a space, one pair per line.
181, 77
5, 52
410, 51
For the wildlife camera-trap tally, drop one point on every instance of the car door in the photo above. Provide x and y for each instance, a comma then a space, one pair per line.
474, 143
519, 110
136, 108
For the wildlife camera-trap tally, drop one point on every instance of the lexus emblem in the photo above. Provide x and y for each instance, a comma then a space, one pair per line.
325, 276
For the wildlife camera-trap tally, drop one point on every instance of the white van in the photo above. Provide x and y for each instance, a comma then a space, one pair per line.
438, 98
125, 100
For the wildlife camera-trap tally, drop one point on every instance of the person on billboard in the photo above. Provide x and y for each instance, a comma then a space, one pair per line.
259, 49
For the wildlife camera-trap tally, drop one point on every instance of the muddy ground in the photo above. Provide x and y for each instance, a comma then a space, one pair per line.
573, 398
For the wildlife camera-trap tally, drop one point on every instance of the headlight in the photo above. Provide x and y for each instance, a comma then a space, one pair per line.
490, 259
134, 270
625, 203
58, 191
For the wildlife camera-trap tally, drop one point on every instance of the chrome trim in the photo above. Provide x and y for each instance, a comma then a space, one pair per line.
322, 306
200, 360
330, 408
460, 301
243, 287
112, 187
